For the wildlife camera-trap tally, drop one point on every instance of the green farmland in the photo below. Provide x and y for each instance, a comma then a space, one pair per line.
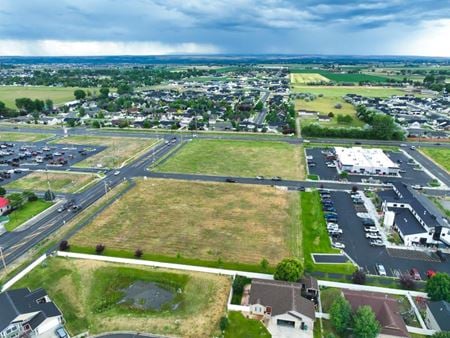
59, 95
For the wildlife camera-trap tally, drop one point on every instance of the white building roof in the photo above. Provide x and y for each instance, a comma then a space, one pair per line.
364, 157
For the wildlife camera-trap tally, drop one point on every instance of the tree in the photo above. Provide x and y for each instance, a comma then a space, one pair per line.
289, 269
264, 264
104, 91
99, 248
16, 200
64, 245
2, 191
138, 253
365, 325
355, 188
441, 334
49, 105
79, 94
383, 127
438, 287
330, 114
146, 124
359, 277
407, 282
343, 175
223, 324
340, 314
95, 124
49, 195
124, 88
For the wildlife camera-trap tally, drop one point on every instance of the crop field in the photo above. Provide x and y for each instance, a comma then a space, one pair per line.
339, 91
304, 78
440, 155
205, 221
118, 151
22, 137
9, 94
89, 294
343, 77
61, 182
238, 158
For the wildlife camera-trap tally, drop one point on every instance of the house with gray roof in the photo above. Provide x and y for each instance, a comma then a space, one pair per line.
282, 308
437, 316
26, 313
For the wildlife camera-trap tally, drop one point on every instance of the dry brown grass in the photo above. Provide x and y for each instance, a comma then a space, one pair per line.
62, 182
205, 221
119, 149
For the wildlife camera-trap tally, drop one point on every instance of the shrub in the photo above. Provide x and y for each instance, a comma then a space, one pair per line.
223, 324
99, 248
438, 287
2, 191
359, 277
138, 253
64, 245
264, 264
340, 314
289, 269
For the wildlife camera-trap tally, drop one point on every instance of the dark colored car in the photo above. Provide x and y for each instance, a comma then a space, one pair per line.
230, 180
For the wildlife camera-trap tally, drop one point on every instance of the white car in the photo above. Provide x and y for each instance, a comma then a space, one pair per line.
117, 172
338, 245
381, 270
260, 177
371, 229
332, 227
306, 141
331, 165
373, 235
377, 242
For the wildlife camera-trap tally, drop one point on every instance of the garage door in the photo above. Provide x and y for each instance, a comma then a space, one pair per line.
282, 322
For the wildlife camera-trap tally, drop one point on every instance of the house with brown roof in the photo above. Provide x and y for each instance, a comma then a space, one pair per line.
282, 308
386, 311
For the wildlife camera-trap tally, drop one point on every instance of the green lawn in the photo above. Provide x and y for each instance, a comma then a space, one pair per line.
22, 137
88, 294
315, 235
241, 327
339, 91
59, 95
237, 158
27, 211
440, 155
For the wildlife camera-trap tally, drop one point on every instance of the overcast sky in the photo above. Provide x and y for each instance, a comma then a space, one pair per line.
156, 27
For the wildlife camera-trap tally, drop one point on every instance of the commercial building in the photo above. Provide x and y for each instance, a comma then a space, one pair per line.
365, 161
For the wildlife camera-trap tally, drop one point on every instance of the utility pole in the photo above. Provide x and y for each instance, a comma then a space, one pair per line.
3, 259
106, 188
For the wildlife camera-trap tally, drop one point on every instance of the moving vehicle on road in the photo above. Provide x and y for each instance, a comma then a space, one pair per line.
230, 180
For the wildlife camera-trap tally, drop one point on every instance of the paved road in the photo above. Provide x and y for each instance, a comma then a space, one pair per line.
262, 114
430, 165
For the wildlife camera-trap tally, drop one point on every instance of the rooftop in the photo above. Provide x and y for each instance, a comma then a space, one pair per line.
364, 157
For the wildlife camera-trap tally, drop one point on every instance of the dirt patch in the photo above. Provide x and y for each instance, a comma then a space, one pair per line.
147, 296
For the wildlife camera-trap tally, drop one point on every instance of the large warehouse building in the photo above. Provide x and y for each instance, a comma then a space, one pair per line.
365, 161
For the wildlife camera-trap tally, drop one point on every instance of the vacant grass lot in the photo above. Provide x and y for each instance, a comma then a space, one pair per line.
87, 292
205, 221
315, 235
22, 137
119, 149
9, 94
238, 158
24, 213
304, 78
338, 77
440, 155
241, 327
62, 182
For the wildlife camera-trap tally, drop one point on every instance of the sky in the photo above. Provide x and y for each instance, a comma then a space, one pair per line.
162, 27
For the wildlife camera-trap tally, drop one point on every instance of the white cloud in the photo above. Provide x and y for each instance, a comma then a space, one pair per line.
430, 39
93, 48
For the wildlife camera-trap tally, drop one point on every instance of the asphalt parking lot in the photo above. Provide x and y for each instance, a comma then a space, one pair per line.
409, 176
17, 159
358, 248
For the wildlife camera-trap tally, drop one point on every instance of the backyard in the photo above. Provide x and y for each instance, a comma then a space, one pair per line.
238, 158
241, 327
61, 182
118, 149
93, 296
198, 223
439, 155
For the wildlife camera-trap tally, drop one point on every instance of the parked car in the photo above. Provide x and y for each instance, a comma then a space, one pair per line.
414, 273
376, 242
276, 178
370, 229
373, 235
332, 226
338, 245
380, 269
260, 177
335, 232
329, 209
368, 222
332, 219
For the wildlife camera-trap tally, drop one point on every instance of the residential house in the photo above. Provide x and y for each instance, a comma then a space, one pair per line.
5, 206
282, 308
26, 313
438, 315
386, 311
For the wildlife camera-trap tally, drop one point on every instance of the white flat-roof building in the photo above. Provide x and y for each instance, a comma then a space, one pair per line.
366, 161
